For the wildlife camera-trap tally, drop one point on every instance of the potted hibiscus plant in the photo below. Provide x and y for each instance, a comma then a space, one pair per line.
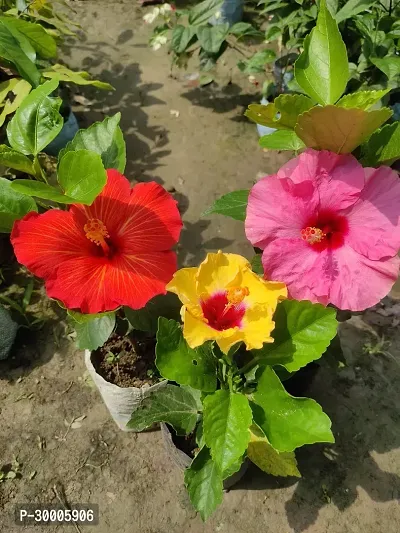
225, 401
98, 243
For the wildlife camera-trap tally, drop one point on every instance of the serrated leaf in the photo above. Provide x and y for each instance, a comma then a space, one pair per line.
233, 205
92, 331
170, 404
16, 48
362, 100
303, 332
178, 362
383, 147
202, 12
12, 159
39, 189
281, 140
204, 484
261, 453
19, 90
212, 37
104, 138
13, 205
41, 41
322, 68
390, 66
226, 421
339, 129
287, 422
37, 121
62, 73
282, 113
181, 38
82, 176
352, 8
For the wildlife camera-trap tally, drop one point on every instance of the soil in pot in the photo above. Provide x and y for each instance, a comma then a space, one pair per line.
186, 443
127, 361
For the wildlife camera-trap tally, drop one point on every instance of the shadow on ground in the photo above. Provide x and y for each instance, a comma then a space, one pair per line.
364, 407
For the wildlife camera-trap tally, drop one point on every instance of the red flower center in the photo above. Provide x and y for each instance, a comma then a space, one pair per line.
225, 309
97, 232
326, 230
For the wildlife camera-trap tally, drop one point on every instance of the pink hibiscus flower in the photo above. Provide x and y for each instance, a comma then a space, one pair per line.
329, 229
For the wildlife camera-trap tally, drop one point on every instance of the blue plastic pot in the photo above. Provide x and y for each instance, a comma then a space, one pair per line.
67, 133
231, 12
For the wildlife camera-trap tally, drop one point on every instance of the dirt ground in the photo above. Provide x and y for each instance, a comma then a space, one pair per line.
350, 487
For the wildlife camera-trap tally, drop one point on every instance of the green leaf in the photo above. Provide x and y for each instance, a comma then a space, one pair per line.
62, 73
390, 66
322, 68
226, 420
13, 205
212, 37
19, 90
204, 484
12, 159
332, 5
170, 404
16, 48
352, 8
37, 120
178, 362
201, 13
41, 190
281, 140
287, 422
282, 113
181, 38
104, 138
233, 204
273, 33
44, 44
261, 453
92, 331
82, 176
383, 147
244, 29
303, 332
146, 319
256, 265
362, 100
339, 129
256, 64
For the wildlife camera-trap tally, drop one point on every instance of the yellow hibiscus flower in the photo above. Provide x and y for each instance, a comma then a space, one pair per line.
225, 301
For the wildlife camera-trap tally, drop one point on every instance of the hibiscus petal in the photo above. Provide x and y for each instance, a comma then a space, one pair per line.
374, 221
291, 261
339, 178
42, 242
94, 284
357, 282
279, 208
220, 271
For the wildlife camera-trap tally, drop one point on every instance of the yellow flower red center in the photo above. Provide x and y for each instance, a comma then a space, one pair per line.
96, 231
312, 235
225, 309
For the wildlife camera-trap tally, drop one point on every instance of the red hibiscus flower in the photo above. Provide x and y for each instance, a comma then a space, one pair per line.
115, 252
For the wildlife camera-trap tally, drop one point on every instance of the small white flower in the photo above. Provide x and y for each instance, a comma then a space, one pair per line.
159, 41
218, 15
149, 18
165, 8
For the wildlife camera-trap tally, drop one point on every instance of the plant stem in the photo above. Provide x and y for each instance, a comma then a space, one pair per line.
40, 174
249, 365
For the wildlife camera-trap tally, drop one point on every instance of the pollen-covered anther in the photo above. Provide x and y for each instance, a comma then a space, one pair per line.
236, 295
312, 235
97, 232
